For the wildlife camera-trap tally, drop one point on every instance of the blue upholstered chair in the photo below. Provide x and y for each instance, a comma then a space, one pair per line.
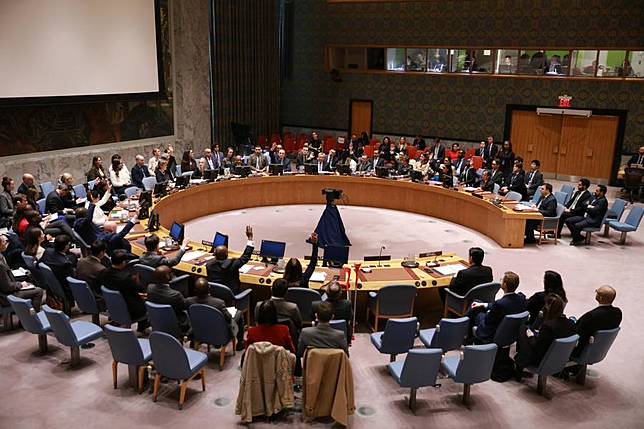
631, 223
513, 196
82, 244
162, 318
117, 308
32, 322
47, 188
177, 170
241, 301
149, 182
419, 369
304, 299
473, 365
209, 327
460, 305
615, 212
131, 191
398, 337
41, 205
74, 334
174, 361
549, 225
561, 197
84, 298
6, 311
536, 196
568, 189
554, 360
145, 273
448, 335
391, 301
507, 332
595, 351
590, 229
80, 191
128, 349
47, 280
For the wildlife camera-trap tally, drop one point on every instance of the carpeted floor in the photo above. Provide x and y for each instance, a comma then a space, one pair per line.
41, 391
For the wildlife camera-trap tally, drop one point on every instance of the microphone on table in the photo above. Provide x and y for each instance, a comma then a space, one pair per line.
382, 247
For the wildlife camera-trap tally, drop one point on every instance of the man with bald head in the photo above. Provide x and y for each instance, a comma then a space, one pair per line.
604, 316
161, 293
28, 182
139, 171
225, 271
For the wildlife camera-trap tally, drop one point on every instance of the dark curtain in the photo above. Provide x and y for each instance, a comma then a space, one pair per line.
245, 61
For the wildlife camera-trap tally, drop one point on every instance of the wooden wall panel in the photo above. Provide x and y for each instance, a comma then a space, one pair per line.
536, 137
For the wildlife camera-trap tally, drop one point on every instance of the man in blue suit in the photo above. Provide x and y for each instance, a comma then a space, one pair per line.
547, 206
487, 317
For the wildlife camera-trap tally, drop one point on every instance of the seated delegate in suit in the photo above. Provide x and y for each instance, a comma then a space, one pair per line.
225, 271
331, 161
162, 173
161, 293
61, 261
552, 283
9, 285
377, 160
96, 171
635, 160
304, 156
487, 317
476, 274
534, 178
496, 175
594, 216
322, 336
576, 205
468, 175
287, 312
139, 171
91, 268
341, 307
283, 160
321, 164
604, 316
547, 206
486, 185
268, 328
532, 344
293, 273
54, 203
202, 296
153, 258
257, 161
460, 163
445, 175
119, 277
364, 165
516, 183
200, 171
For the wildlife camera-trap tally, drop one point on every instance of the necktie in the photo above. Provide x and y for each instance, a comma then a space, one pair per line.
574, 203
531, 177
640, 160
258, 162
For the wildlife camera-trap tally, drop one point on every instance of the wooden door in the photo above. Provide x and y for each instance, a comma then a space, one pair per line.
536, 137
360, 116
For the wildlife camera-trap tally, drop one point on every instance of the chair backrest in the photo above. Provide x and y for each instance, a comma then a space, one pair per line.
567, 189
27, 315
560, 209
483, 293
421, 368
395, 300
124, 345
145, 273
61, 327
598, 346
635, 216
83, 296
561, 197
91, 184
513, 196
536, 196
131, 191
177, 170
304, 299
399, 335
508, 330
496, 189
46, 187
476, 364
116, 306
557, 355
162, 318
450, 334
41, 205
222, 292
209, 325
149, 182
80, 191
617, 209
82, 244
169, 357
340, 325
30, 261
50, 279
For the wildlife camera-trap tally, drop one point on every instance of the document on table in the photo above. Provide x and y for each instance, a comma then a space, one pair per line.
245, 269
189, 256
448, 270
318, 276
19, 272
522, 207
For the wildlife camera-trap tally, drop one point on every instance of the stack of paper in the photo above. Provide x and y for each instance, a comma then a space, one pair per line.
448, 270
189, 256
19, 272
318, 276
245, 269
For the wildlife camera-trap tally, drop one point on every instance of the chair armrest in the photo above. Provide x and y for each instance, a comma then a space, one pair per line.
242, 299
180, 284
373, 295
453, 294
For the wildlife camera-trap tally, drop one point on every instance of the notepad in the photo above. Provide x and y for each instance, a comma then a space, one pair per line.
521, 207
189, 256
318, 276
448, 270
19, 272
245, 269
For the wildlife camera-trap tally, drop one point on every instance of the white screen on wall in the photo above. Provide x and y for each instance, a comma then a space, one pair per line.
54, 48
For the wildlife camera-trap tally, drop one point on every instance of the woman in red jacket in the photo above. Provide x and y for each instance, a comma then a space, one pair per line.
268, 329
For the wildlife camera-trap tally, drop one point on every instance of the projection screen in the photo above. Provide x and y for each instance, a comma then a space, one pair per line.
62, 48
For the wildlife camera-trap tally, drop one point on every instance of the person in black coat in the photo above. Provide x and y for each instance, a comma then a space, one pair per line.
496, 175
293, 273
55, 201
594, 216
552, 283
62, 262
516, 183
635, 160
547, 206
489, 152
486, 185
532, 345
534, 178
342, 309
475, 275
605, 316
161, 293
225, 271
576, 205
468, 175
436, 154
139, 171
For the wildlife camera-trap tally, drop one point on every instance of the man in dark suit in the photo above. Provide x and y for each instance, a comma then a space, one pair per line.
139, 171
61, 261
605, 316
476, 274
119, 277
283, 160
576, 205
436, 154
487, 317
342, 309
202, 296
161, 293
547, 206
257, 161
377, 161
9, 285
460, 164
516, 182
534, 178
489, 151
225, 271
330, 161
497, 175
594, 216
91, 268
364, 165
468, 175
323, 335
637, 159
303, 157
152, 257
287, 312
28, 182
55, 201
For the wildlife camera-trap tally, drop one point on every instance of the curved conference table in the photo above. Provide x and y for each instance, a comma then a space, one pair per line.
499, 222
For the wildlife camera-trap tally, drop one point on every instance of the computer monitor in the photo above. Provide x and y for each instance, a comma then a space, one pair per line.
210, 175
311, 168
272, 250
344, 169
242, 170
145, 198
382, 171
336, 256
416, 176
219, 240
182, 181
159, 189
176, 232
276, 169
